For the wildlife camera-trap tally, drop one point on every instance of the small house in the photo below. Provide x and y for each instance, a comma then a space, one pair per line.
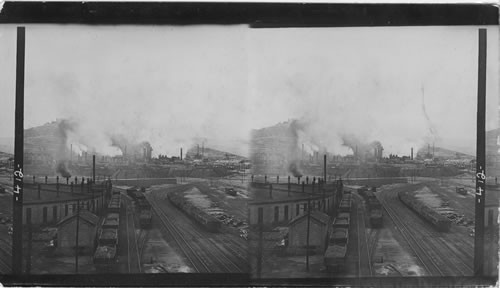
319, 229
66, 231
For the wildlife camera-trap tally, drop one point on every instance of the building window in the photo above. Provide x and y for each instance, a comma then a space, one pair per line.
305, 207
54, 213
276, 214
297, 209
28, 215
44, 219
286, 212
261, 215
66, 210
74, 208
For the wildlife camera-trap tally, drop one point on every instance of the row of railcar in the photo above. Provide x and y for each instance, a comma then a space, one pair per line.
206, 220
335, 254
440, 222
105, 254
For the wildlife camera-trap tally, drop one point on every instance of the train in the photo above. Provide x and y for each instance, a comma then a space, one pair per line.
345, 206
374, 206
143, 206
438, 221
206, 220
105, 255
341, 222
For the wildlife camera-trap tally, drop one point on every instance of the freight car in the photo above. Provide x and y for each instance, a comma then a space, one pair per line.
111, 221
203, 218
345, 206
145, 219
105, 258
339, 236
335, 257
344, 215
108, 236
440, 222
341, 223
376, 217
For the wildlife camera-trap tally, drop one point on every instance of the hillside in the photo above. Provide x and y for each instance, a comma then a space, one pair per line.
212, 154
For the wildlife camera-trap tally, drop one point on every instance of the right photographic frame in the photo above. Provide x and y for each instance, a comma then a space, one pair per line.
378, 152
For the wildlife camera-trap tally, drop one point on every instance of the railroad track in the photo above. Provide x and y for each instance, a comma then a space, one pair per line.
199, 263
418, 250
213, 249
361, 220
131, 249
441, 247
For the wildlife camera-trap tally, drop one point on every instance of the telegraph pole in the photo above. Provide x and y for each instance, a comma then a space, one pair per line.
480, 158
17, 235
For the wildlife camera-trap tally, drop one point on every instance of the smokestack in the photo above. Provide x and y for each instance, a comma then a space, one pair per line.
93, 168
302, 156
71, 154
411, 153
324, 167
181, 154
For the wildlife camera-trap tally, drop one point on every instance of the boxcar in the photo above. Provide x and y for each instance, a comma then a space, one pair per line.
145, 219
108, 236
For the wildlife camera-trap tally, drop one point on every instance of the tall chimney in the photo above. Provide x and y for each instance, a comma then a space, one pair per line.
93, 168
181, 154
324, 167
411, 153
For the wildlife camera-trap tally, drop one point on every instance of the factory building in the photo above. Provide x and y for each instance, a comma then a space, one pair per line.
274, 148
278, 206
47, 204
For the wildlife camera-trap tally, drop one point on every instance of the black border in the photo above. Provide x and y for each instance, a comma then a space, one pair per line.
256, 15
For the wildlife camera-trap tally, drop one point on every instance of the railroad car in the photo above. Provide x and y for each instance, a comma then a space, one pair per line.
440, 222
374, 204
115, 192
345, 206
206, 220
339, 236
111, 222
131, 191
142, 203
376, 218
105, 258
341, 223
114, 207
344, 215
335, 257
108, 236
145, 219
230, 191
347, 192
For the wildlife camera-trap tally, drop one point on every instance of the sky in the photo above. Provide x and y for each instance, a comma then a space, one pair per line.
176, 86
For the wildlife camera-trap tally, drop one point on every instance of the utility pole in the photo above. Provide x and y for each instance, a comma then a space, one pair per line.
77, 231
480, 158
17, 234
308, 227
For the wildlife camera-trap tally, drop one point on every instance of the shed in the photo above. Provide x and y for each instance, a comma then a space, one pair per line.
319, 229
66, 231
